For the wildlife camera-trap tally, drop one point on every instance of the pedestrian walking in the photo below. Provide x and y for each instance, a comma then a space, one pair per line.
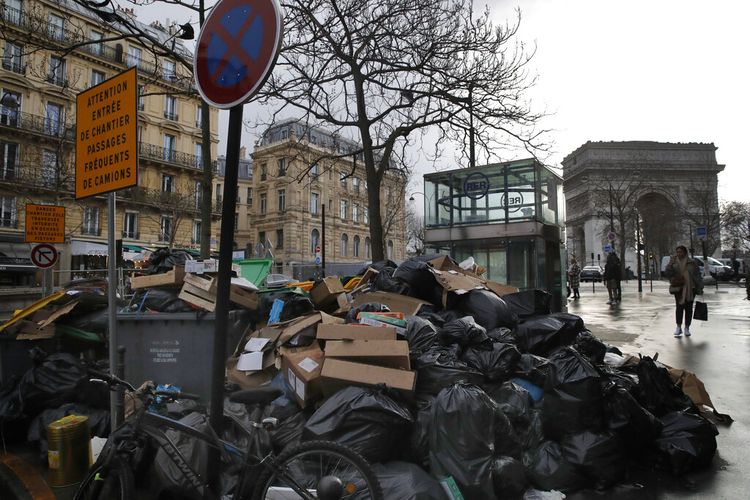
685, 282
574, 278
612, 273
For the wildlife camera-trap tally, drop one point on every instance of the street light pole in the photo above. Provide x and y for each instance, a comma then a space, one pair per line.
638, 249
611, 221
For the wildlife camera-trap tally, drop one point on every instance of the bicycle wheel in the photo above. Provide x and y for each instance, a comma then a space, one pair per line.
113, 480
301, 468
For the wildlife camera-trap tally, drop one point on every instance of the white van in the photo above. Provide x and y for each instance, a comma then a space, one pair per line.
715, 268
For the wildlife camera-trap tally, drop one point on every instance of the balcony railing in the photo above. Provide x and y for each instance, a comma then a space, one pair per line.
154, 152
58, 80
133, 235
14, 65
9, 223
171, 116
91, 231
29, 174
35, 123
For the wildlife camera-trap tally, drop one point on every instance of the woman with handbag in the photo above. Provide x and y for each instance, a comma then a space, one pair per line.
685, 282
574, 278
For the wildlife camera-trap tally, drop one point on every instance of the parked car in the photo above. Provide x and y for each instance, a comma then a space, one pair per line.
715, 269
592, 273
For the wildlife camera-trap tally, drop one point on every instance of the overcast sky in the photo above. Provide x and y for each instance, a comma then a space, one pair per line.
613, 70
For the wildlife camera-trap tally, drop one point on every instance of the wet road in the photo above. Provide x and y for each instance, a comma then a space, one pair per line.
718, 352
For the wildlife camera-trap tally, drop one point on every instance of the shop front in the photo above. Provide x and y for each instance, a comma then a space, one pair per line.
507, 216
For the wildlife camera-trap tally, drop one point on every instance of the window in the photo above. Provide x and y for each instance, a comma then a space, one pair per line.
196, 238
170, 108
282, 166
97, 47
314, 240
13, 58
134, 57
130, 225
367, 248
236, 221
355, 248
263, 203
8, 211
344, 208
284, 133
49, 167
169, 147
314, 173
279, 238
355, 212
218, 194
262, 238
250, 197
97, 77
342, 179
141, 101
282, 200
314, 200
198, 153
169, 70
167, 183
198, 115
13, 11
263, 171
355, 184
56, 71
165, 228
344, 245
56, 28
9, 114
90, 224
390, 249
54, 119
8, 160
366, 215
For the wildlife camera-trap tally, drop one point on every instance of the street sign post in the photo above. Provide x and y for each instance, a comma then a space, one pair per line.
235, 53
607, 248
700, 232
611, 236
44, 255
45, 223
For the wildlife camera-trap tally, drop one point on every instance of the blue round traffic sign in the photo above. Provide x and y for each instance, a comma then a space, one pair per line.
237, 48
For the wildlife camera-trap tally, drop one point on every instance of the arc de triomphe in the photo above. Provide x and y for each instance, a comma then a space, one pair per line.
668, 188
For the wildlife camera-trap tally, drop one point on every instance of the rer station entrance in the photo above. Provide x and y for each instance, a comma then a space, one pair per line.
507, 216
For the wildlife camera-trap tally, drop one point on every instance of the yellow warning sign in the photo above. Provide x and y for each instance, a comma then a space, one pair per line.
45, 224
107, 136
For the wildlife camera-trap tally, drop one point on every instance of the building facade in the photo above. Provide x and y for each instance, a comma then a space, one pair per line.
40, 77
295, 171
661, 192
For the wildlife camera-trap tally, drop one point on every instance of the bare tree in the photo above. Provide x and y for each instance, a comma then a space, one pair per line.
415, 231
701, 208
735, 225
383, 72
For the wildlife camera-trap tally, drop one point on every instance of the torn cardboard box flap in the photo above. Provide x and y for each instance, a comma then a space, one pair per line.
388, 353
355, 332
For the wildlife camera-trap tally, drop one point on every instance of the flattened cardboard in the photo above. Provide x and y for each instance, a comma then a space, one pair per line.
249, 380
325, 292
338, 373
395, 302
301, 368
388, 353
174, 277
297, 325
354, 332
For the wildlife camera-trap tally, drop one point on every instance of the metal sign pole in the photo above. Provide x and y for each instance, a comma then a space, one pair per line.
112, 300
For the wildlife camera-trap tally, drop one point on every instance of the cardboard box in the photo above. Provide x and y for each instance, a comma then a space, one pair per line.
203, 294
338, 373
354, 332
325, 292
301, 368
388, 353
299, 325
249, 380
171, 278
395, 302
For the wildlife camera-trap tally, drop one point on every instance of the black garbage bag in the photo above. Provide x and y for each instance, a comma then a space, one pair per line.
543, 334
462, 437
54, 380
11, 403
572, 322
687, 442
369, 421
379, 266
502, 334
407, 481
95, 321
655, 390
296, 306
533, 368
98, 423
165, 259
465, 332
487, 309
158, 299
599, 456
529, 302
507, 440
513, 400
166, 472
572, 395
637, 427
351, 316
385, 282
419, 439
422, 283
496, 365
420, 334
547, 469
439, 367
288, 430
533, 435
509, 478
437, 315
591, 347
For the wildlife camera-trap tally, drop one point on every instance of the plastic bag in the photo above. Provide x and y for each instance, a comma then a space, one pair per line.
407, 481
462, 437
572, 396
195, 451
384, 281
655, 390
533, 368
165, 259
591, 347
502, 334
464, 332
419, 440
351, 316
529, 302
157, 299
487, 309
437, 315
599, 456
687, 442
420, 334
635, 424
513, 400
509, 478
547, 469
422, 283
440, 367
369, 421
379, 266
296, 306
54, 380
543, 334
497, 364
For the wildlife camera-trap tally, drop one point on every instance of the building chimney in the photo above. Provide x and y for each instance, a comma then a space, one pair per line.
243, 152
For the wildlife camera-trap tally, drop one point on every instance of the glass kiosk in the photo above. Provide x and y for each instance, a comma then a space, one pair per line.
508, 216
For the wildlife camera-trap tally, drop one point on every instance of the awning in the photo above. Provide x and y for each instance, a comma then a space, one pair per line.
88, 248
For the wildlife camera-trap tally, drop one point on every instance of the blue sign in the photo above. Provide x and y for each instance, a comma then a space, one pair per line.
512, 201
476, 186
701, 232
317, 260
607, 248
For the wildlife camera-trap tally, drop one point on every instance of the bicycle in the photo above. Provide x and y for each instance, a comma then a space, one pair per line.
308, 470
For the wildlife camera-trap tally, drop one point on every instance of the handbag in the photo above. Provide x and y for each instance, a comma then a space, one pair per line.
700, 312
677, 280
674, 290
